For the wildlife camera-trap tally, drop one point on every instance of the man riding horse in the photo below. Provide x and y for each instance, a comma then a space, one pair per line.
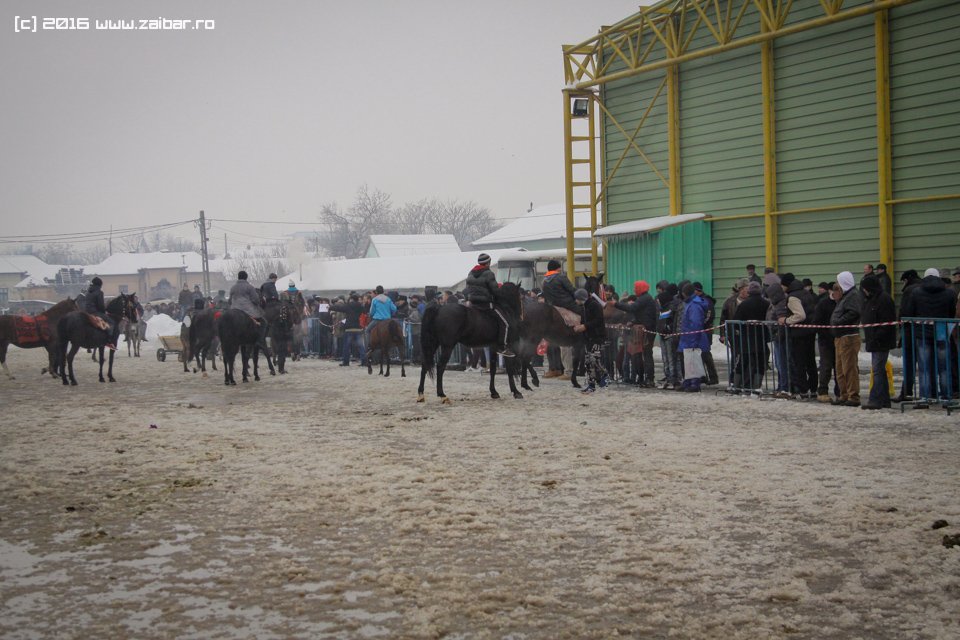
246, 298
94, 305
481, 292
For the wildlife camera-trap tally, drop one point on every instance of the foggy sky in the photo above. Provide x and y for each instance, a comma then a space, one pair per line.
283, 107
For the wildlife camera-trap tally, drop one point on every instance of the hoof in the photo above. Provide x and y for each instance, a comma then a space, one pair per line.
273, 373
233, 383
445, 400
257, 378
576, 385
226, 383
386, 375
102, 380
525, 387
204, 375
420, 397
518, 395
112, 379
536, 383
495, 395
403, 374
73, 383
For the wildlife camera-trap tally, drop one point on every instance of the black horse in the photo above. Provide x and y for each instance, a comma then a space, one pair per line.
77, 330
238, 332
443, 326
543, 321
200, 340
283, 319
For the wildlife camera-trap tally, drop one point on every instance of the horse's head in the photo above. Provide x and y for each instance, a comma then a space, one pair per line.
123, 307
508, 296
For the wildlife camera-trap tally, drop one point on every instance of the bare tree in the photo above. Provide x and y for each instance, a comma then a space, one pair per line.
348, 231
417, 217
466, 221
259, 264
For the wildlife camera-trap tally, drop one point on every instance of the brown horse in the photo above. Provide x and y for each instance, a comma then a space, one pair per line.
384, 336
28, 332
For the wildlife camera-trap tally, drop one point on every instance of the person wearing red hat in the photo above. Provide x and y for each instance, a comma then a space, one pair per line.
644, 314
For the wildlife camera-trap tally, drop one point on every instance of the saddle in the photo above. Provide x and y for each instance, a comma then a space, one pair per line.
31, 331
97, 322
571, 318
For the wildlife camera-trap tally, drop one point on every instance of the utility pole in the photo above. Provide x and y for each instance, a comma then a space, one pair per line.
202, 224
110, 241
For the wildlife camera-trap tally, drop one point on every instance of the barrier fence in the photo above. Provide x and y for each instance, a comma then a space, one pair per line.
931, 359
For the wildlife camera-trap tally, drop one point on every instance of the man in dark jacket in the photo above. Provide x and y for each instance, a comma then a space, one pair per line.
247, 299
94, 304
558, 291
269, 291
910, 280
931, 299
749, 341
878, 307
670, 308
803, 360
185, 300
885, 282
846, 340
826, 371
482, 293
595, 334
352, 331
643, 312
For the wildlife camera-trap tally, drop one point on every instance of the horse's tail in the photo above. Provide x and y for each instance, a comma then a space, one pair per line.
428, 337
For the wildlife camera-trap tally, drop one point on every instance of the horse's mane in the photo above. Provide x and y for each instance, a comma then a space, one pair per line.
508, 295
60, 308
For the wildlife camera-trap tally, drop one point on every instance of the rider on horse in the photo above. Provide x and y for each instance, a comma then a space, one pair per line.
94, 305
482, 292
268, 290
247, 299
382, 308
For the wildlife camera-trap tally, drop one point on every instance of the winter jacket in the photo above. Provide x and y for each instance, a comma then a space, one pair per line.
694, 318
185, 299
932, 299
245, 298
351, 311
481, 285
643, 311
671, 309
382, 307
847, 312
800, 307
885, 282
93, 301
878, 306
558, 291
821, 316
269, 291
751, 338
591, 315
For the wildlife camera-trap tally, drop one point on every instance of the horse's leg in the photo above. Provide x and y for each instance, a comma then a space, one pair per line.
445, 353
3, 358
524, 365
510, 366
492, 364
73, 352
534, 378
384, 354
110, 368
99, 351
256, 362
403, 356
577, 363
269, 360
245, 360
370, 360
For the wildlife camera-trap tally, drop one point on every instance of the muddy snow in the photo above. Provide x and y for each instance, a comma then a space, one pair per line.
327, 503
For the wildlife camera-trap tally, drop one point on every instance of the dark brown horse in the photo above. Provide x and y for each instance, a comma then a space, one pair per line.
384, 336
78, 331
445, 325
200, 340
28, 332
542, 321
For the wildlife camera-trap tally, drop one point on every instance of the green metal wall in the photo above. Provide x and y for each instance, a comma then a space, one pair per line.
826, 145
925, 110
674, 253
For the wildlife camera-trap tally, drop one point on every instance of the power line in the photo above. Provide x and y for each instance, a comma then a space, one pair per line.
90, 236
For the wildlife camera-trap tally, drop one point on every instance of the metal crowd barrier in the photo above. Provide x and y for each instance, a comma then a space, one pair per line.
760, 359
931, 359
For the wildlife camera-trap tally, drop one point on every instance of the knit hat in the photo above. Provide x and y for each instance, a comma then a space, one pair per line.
581, 294
932, 271
770, 278
754, 288
845, 280
640, 287
483, 259
787, 278
291, 286
740, 283
553, 265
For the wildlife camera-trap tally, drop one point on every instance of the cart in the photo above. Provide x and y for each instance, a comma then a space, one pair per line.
171, 344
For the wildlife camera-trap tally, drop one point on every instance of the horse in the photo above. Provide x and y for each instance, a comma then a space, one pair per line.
384, 336
443, 326
544, 322
131, 334
28, 332
283, 318
239, 332
77, 330
199, 339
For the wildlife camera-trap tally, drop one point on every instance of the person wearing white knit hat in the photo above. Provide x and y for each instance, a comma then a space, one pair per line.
932, 299
846, 340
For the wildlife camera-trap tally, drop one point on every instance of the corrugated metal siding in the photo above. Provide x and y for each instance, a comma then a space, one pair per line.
826, 146
925, 114
635, 191
674, 254
736, 243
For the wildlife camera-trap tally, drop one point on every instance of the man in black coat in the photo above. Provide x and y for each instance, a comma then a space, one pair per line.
878, 307
749, 342
93, 304
910, 280
482, 293
826, 370
558, 291
595, 334
931, 299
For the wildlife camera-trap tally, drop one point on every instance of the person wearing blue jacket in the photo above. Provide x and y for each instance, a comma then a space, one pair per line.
692, 345
381, 308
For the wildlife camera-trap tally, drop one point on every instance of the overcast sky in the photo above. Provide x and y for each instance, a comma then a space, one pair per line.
282, 107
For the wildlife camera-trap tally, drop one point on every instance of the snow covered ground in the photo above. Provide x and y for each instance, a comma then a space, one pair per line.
327, 503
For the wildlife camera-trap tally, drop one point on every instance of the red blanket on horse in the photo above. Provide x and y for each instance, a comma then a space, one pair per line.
31, 331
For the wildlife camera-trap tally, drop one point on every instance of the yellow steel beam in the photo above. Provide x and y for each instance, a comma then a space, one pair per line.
568, 176
769, 153
673, 137
655, 22
884, 154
